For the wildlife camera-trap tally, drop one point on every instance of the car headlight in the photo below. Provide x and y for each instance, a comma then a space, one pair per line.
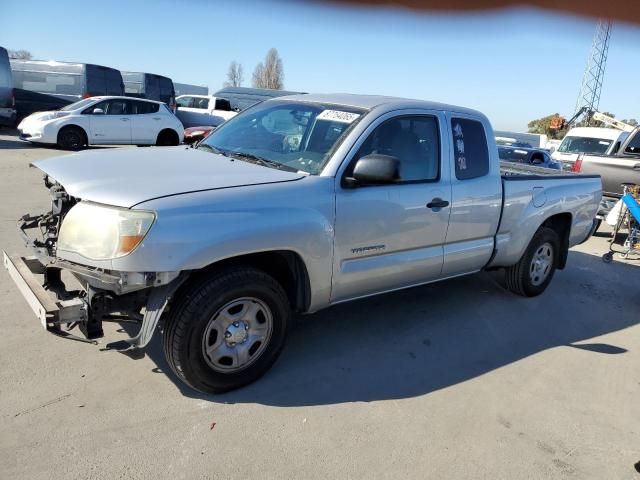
101, 233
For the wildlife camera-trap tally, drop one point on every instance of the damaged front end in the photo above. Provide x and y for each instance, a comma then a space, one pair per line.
103, 294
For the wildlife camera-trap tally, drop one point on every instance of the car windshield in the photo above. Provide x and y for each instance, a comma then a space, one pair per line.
78, 105
588, 145
291, 135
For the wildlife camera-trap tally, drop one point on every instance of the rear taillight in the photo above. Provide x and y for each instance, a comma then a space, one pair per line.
86, 95
577, 165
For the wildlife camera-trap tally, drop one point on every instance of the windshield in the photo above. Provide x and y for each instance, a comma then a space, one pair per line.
77, 105
588, 145
294, 135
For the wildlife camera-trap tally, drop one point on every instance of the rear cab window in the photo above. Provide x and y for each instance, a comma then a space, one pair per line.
223, 104
470, 150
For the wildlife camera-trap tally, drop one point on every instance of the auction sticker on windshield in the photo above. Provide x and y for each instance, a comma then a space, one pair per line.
338, 116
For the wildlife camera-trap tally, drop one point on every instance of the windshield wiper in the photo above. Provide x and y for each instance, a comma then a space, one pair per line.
265, 162
212, 148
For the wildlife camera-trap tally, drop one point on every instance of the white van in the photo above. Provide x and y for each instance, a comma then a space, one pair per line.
589, 140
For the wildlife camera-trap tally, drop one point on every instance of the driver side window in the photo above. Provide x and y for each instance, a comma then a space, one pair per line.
634, 145
413, 140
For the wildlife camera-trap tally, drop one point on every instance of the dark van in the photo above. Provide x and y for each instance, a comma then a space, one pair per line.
187, 89
41, 85
149, 86
7, 100
242, 98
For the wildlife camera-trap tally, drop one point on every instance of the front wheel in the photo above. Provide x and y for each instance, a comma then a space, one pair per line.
71, 138
226, 331
533, 273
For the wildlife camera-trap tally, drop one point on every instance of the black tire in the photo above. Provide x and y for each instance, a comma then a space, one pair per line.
72, 138
167, 138
198, 303
519, 276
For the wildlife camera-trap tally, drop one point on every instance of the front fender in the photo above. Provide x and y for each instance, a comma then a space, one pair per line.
223, 225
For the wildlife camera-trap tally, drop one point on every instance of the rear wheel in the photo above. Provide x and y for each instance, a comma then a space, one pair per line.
227, 330
72, 138
533, 273
167, 138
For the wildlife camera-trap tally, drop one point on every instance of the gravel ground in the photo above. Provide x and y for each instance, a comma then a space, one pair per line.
457, 380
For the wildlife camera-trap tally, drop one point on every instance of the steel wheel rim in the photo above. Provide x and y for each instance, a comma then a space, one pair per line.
237, 335
541, 264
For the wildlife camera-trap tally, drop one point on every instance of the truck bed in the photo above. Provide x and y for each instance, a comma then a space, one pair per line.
531, 195
511, 169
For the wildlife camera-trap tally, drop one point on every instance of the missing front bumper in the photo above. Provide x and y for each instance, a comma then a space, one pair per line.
52, 312
56, 307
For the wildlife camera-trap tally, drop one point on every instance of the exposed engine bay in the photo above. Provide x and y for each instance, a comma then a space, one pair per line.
48, 224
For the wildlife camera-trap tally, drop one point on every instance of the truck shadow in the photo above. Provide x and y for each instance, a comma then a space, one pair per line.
417, 341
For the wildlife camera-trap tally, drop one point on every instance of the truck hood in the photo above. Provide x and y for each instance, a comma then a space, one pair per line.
125, 177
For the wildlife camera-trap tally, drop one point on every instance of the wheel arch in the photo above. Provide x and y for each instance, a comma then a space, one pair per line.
285, 266
168, 131
561, 224
73, 125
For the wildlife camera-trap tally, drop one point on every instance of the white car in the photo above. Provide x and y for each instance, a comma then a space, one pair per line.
104, 121
203, 110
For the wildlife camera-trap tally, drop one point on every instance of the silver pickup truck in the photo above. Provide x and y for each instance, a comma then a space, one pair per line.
296, 204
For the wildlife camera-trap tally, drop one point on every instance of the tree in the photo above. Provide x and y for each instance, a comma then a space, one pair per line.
631, 121
20, 54
270, 73
542, 126
235, 75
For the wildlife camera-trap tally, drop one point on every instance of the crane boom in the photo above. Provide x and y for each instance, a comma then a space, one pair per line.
612, 122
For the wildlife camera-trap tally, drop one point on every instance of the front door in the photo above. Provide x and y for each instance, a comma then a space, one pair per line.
194, 111
391, 236
110, 122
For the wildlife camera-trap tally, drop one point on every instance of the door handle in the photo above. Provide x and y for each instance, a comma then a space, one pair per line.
124, 119
636, 166
437, 203
156, 118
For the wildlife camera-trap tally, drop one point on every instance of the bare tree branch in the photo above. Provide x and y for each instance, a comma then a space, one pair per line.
269, 74
20, 54
235, 75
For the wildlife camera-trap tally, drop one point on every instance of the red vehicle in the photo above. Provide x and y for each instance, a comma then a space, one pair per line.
193, 135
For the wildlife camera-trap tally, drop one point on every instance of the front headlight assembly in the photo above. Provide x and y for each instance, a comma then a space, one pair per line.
99, 232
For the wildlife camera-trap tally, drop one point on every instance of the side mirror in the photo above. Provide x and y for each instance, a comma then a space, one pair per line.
537, 161
98, 111
374, 169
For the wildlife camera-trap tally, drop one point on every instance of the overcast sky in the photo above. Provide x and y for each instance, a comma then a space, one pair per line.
513, 65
